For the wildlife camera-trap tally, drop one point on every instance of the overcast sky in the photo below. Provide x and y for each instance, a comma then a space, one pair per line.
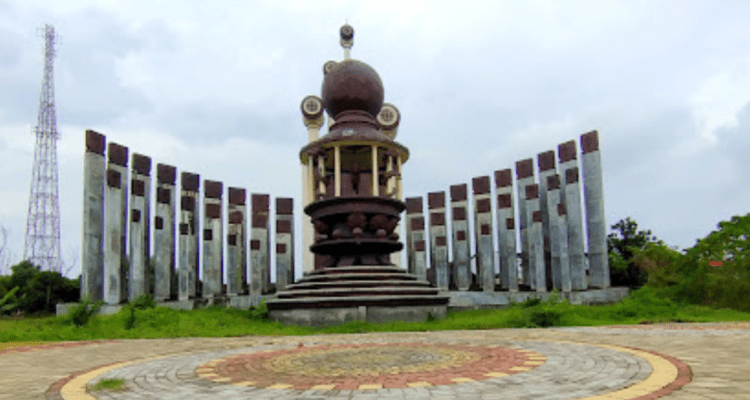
215, 87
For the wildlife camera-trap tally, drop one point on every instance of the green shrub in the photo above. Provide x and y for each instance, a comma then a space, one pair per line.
130, 321
259, 312
81, 313
545, 317
143, 302
531, 302
9, 302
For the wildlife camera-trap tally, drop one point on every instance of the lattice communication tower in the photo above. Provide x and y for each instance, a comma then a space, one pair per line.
42, 246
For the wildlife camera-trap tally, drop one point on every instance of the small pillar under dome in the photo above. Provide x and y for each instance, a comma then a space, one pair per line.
115, 217
284, 242
438, 240
415, 238
460, 230
524, 177
259, 245
596, 225
213, 240
189, 228
164, 232
506, 238
94, 173
483, 233
140, 218
236, 242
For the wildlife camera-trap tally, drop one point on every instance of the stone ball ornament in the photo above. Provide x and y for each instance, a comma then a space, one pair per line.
352, 85
312, 107
329, 66
389, 117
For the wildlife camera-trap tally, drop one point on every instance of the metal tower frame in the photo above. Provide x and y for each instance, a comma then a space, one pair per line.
42, 244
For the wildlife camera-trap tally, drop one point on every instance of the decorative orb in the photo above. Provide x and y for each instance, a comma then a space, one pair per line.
352, 85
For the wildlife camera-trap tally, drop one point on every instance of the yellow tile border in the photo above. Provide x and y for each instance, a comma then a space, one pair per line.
418, 384
370, 386
496, 374
75, 389
462, 380
323, 387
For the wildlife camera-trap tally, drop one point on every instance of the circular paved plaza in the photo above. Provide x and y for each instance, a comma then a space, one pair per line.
562, 363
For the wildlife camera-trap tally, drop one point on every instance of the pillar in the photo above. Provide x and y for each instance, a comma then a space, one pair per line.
140, 218
575, 230
213, 240
115, 217
259, 242
92, 255
236, 242
596, 226
284, 242
558, 236
415, 238
537, 272
189, 228
460, 229
506, 232
438, 241
164, 232
483, 233
308, 232
524, 177
546, 163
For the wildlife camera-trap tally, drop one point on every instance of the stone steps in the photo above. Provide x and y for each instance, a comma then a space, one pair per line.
358, 291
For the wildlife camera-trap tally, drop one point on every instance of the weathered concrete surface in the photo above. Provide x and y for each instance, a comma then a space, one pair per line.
596, 224
164, 233
483, 233
506, 231
94, 174
460, 237
438, 240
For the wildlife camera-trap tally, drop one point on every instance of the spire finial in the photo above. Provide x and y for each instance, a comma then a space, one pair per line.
347, 39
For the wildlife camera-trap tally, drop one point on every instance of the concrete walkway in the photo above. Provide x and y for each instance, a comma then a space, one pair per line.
559, 363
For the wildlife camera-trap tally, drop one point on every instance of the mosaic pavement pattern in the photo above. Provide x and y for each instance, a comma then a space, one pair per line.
394, 370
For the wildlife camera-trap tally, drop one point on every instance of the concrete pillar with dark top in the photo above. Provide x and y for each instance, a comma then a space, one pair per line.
536, 244
115, 222
92, 254
524, 177
236, 242
546, 163
415, 238
575, 230
483, 233
259, 245
506, 232
596, 224
164, 232
438, 240
213, 240
558, 236
140, 218
189, 240
460, 230
284, 242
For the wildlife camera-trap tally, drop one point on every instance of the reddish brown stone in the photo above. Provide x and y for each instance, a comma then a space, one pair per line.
255, 244
441, 241
510, 224
590, 142
546, 160
260, 221
284, 206
419, 245
437, 219
461, 235
208, 235
236, 196
459, 213
532, 191
159, 223
213, 189
536, 216
436, 200
553, 182
571, 175
503, 178
481, 184
141, 164
232, 240
187, 203
236, 217
190, 182
283, 226
525, 168
413, 205
166, 174
95, 142
280, 248
135, 215
504, 200
459, 192
113, 178
567, 151
484, 205
560, 209
213, 210
417, 224
138, 187
260, 202
118, 154
485, 229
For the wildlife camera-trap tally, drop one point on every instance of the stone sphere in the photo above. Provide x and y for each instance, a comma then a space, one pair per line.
352, 85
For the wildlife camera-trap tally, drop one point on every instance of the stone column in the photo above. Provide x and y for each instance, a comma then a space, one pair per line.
575, 230
537, 271
524, 177
284, 242
140, 216
483, 233
506, 232
596, 224
546, 162
438, 242
308, 232
92, 254
259, 243
415, 238
115, 217
189, 228
213, 240
237, 243
461, 246
164, 232
558, 236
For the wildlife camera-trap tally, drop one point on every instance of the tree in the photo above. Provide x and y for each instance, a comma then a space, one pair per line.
40, 291
622, 247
